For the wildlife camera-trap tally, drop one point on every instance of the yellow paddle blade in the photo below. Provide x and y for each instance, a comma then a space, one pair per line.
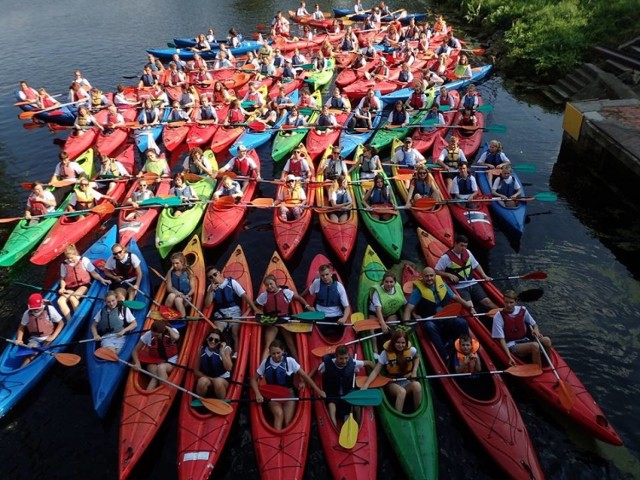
297, 327
349, 433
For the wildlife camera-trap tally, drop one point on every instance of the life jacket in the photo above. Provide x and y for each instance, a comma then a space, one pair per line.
460, 266
494, 159
264, 69
321, 64
242, 166
347, 44
464, 185
208, 113
380, 196
211, 365
469, 101
328, 295
218, 96
408, 157
184, 191
225, 297
324, 120
148, 80
382, 70
337, 102
295, 168
515, 327
292, 197
505, 188
30, 93
421, 187
460, 70
342, 197
41, 325
276, 303
149, 115
475, 346
391, 302
139, 196
367, 164
157, 167
66, 171
83, 121
76, 275
125, 268
110, 169
333, 169
398, 118
288, 72
430, 301
466, 122
96, 100
235, 116
296, 121
278, 375
47, 101
306, 101
393, 368
296, 60
36, 208
180, 282
112, 320
175, 77
85, 199
416, 101
193, 168
404, 76
165, 349
337, 381
452, 157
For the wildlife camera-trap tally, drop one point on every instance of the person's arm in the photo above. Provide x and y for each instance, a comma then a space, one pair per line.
131, 323
372, 376
302, 302
254, 385
416, 365
310, 381
225, 355
94, 273
135, 359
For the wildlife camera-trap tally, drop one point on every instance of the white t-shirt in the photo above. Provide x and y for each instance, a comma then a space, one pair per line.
384, 360
332, 311
47, 195
54, 316
455, 188
292, 366
86, 263
75, 166
498, 324
111, 263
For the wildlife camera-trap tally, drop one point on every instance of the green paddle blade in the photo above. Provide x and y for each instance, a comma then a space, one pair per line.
310, 316
546, 196
134, 304
524, 167
196, 403
364, 398
166, 201
305, 111
248, 104
495, 128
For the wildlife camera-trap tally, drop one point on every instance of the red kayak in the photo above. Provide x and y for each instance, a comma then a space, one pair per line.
76, 144
359, 88
424, 140
202, 133
475, 221
487, 408
289, 87
289, 234
317, 141
585, 411
202, 434
174, 134
280, 454
349, 75
360, 462
341, 236
68, 230
108, 142
470, 140
220, 222
143, 411
137, 227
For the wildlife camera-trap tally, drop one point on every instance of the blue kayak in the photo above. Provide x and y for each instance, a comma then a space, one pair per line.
349, 139
404, 19
511, 219
167, 53
252, 139
104, 377
141, 135
65, 116
403, 94
17, 380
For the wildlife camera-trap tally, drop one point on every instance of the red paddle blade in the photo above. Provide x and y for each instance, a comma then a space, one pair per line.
262, 202
322, 351
99, 263
426, 203
534, 276
192, 177
379, 381
168, 313
449, 310
104, 208
274, 391
526, 370
257, 126
566, 395
224, 203
364, 325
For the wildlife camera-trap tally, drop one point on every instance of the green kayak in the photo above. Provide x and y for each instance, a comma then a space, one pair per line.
412, 435
25, 237
172, 229
383, 137
318, 80
286, 140
388, 233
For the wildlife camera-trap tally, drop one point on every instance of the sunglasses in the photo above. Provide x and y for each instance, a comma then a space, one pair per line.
213, 339
118, 252
84, 184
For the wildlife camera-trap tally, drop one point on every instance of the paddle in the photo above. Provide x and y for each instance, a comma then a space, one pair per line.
428, 203
526, 276
212, 404
68, 344
66, 359
491, 128
522, 371
520, 167
475, 51
566, 394
132, 304
349, 431
359, 398
104, 208
481, 108
166, 313
449, 311
31, 113
266, 390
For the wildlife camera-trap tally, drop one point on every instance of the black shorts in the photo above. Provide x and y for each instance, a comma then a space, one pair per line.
475, 293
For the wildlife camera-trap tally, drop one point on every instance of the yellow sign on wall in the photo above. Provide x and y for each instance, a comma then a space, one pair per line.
572, 121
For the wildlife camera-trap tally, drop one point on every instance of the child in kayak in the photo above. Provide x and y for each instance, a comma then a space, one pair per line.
158, 350
466, 359
180, 282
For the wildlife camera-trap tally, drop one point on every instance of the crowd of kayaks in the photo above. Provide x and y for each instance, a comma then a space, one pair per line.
486, 407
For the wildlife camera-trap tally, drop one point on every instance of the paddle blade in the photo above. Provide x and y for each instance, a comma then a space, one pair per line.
134, 304
349, 433
566, 395
425, 203
10, 219
216, 406
257, 126
534, 276
378, 382
168, 313
192, 177
364, 325
309, 316
357, 317
524, 371
106, 354
449, 310
297, 327
274, 391
28, 114
531, 295
224, 203
262, 202
322, 351
67, 359
104, 208
364, 398
546, 197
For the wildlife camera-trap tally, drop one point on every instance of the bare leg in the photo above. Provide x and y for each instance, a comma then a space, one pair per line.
289, 409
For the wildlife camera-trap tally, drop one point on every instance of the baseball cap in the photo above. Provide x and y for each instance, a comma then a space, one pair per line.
291, 177
34, 302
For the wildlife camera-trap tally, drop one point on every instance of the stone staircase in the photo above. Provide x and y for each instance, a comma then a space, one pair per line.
619, 73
